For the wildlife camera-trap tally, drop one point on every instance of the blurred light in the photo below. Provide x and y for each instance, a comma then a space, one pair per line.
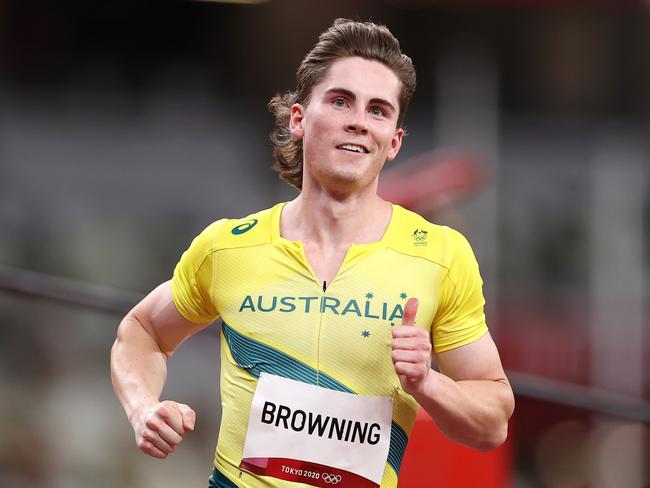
415, 4
562, 455
433, 180
620, 455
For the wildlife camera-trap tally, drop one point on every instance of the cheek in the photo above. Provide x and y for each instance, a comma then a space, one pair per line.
325, 122
317, 125
387, 138
320, 136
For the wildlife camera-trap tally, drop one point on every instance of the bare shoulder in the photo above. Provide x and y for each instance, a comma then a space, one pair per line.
158, 315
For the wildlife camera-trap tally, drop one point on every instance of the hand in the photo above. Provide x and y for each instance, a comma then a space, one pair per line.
159, 428
411, 351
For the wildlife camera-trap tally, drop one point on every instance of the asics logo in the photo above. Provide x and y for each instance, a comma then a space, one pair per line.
245, 227
332, 478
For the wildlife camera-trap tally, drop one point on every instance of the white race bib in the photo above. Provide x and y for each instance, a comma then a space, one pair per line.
313, 435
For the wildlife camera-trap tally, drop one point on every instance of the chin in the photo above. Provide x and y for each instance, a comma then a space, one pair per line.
345, 176
349, 180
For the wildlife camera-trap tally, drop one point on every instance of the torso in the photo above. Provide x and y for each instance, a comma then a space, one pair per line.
279, 320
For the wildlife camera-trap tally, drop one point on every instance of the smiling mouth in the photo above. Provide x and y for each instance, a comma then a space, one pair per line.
355, 148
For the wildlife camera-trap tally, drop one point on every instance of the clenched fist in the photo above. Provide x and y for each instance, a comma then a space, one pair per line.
411, 351
160, 427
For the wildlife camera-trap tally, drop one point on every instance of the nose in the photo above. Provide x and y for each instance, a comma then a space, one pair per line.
357, 122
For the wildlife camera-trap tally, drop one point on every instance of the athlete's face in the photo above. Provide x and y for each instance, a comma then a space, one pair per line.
349, 128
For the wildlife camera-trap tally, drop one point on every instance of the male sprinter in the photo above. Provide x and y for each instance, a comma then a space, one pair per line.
332, 304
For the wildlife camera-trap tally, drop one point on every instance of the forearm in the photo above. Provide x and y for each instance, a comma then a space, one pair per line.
138, 366
474, 413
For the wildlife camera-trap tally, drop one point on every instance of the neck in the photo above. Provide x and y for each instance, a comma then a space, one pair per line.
335, 220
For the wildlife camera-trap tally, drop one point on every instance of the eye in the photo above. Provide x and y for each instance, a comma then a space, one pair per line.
339, 102
378, 111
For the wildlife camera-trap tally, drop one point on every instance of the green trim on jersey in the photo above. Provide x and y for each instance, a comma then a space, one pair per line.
256, 358
279, 318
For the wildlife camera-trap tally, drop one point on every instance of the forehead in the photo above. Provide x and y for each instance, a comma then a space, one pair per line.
364, 77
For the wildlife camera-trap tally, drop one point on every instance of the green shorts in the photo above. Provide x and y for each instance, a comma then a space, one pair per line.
218, 480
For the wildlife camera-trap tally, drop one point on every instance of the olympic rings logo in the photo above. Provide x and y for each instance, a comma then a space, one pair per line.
420, 235
332, 478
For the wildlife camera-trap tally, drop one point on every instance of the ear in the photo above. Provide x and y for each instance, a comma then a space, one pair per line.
295, 121
395, 144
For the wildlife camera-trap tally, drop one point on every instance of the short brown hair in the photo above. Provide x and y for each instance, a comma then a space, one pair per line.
345, 38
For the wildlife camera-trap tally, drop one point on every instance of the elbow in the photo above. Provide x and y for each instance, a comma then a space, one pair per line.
488, 430
120, 339
497, 436
484, 439
493, 433
136, 331
494, 440
122, 333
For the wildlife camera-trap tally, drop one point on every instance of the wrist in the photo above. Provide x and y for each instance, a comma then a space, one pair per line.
135, 409
426, 389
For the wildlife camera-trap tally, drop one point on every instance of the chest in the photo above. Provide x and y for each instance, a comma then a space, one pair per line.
278, 306
325, 263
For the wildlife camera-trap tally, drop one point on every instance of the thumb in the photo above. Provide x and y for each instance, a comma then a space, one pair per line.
189, 416
410, 310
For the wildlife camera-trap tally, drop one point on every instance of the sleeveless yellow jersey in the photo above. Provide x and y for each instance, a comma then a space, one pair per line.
280, 319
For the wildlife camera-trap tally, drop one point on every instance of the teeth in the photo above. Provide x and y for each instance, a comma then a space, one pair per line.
352, 147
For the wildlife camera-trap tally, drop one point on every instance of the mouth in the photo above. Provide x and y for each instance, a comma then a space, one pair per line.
355, 148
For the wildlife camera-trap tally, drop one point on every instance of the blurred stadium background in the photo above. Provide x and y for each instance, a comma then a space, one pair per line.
127, 127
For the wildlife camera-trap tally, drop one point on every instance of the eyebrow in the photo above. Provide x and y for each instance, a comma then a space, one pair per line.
349, 94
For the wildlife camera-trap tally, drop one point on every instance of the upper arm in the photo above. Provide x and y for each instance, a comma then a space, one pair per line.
158, 315
181, 307
478, 360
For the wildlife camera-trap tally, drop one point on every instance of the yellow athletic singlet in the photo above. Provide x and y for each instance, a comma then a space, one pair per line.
279, 318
